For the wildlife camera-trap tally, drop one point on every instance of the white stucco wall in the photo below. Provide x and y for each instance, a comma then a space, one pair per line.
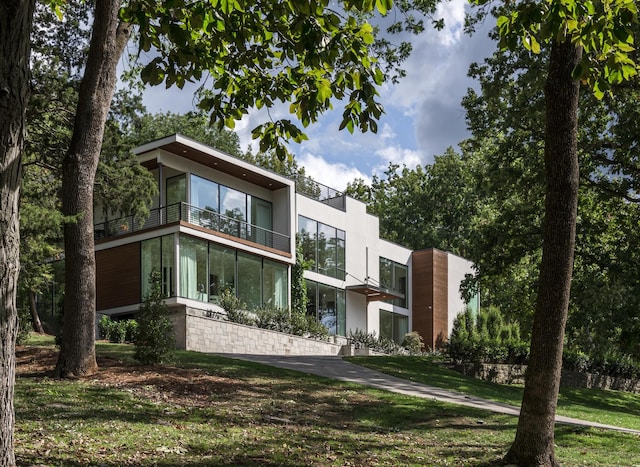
458, 267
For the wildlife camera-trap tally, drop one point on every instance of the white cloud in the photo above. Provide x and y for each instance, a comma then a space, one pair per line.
398, 155
334, 175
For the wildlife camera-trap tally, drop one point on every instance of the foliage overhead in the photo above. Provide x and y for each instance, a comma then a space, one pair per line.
259, 52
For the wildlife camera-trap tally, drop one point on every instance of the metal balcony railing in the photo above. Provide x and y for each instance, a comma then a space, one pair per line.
310, 188
197, 216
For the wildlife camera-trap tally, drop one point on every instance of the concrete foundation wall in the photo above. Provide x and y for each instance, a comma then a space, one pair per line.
211, 335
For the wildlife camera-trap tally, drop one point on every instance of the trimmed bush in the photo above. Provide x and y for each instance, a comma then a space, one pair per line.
154, 339
487, 340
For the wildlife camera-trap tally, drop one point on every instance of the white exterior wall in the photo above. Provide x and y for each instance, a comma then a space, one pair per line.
363, 249
458, 267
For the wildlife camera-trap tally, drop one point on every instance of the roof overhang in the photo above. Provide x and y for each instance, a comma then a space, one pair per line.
374, 293
209, 157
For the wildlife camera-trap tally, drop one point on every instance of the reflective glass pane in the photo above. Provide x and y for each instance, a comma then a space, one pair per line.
249, 280
312, 296
176, 194
275, 287
327, 308
326, 250
341, 313
307, 232
168, 266
193, 268
150, 251
222, 271
386, 324
400, 327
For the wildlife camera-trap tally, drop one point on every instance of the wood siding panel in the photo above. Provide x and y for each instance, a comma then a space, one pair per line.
429, 295
118, 276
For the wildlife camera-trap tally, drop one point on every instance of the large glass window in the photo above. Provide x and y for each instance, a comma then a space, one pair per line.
249, 279
204, 195
208, 269
176, 194
158, 255
323, 244
393, 326
275, 284
222, 271
328, 305
193, 268
262, 217
393, 276
308, 232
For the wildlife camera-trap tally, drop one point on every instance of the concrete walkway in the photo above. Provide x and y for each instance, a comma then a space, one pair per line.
339, 369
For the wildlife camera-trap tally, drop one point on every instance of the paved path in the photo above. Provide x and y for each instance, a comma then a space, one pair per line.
339, 369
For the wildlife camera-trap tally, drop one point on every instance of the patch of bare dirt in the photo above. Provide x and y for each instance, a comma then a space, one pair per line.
167, 384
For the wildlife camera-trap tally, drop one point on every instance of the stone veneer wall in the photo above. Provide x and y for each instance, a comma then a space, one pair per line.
197, 332
514, 374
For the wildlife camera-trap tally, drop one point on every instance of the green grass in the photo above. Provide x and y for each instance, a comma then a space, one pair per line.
609, 407
248, 414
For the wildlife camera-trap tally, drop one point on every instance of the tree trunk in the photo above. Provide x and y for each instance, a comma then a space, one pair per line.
35, 319
16, 17
108, 39
534, 442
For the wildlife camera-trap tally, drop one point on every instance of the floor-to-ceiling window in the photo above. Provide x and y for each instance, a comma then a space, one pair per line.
324, 245
208, 269
328, 305
176, 194
158, 254
249, 288
275, 282
393, 326
222, 271
393, 276
193, 268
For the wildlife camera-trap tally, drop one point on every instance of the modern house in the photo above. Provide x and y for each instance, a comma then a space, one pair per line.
221, 223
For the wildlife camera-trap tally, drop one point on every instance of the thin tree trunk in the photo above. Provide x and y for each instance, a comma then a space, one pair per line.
109, 37
35, 319
16, 17
534, 442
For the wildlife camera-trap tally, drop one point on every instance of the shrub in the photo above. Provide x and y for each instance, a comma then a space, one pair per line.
235, 308
362, 339
413, 343
487, 340
117, 331
154, 339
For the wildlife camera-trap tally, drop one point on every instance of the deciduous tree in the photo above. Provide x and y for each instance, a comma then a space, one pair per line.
590, 42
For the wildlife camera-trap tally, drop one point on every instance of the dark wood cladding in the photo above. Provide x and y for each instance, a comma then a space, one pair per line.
430, 295
118, 276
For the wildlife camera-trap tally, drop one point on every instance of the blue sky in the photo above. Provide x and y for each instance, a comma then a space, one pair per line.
423, 115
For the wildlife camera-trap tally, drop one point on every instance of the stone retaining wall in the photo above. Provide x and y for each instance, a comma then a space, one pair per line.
514, 374
195, 331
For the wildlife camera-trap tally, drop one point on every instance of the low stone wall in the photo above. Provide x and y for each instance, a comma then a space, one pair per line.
211, 335
514, 374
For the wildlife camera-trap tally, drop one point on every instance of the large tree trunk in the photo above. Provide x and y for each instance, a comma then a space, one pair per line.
534, 442
16, 17
108, 39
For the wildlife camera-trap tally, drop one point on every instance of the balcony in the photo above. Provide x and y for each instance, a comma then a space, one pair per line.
193, 215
